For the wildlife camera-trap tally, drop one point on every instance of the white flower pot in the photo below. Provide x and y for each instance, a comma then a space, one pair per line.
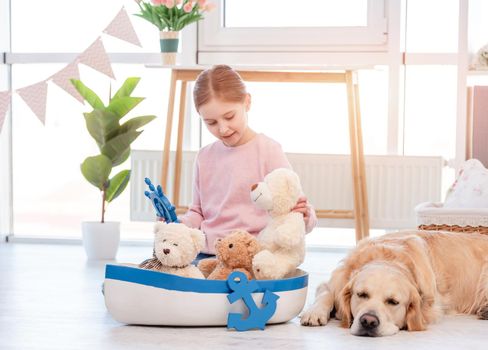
101, 241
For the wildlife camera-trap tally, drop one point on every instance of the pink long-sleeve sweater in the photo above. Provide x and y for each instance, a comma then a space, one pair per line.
222, 182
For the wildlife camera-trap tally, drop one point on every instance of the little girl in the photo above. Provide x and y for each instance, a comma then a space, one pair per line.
226, 169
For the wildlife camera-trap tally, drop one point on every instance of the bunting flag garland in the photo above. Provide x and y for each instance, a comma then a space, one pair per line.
4, 103
62, 79
96, 57
35, 97
121, 28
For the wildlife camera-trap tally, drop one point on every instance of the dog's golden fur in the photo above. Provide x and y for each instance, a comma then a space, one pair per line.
406, 280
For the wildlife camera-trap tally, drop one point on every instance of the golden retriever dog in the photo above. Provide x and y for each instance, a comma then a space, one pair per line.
405, 280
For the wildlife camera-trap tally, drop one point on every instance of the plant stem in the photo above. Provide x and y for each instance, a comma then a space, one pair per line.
103, 206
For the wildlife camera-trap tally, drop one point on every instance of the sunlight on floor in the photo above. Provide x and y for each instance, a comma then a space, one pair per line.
336, 237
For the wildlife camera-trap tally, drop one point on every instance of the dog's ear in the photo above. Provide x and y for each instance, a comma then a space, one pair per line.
414, 318
421, 269
424, 278
344, 301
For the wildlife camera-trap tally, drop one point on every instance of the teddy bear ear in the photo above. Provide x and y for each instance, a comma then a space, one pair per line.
158, 226
294, 185
253, 246
198, 238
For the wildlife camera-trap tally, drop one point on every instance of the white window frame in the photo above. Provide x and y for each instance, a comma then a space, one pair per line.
6, 195
214, 37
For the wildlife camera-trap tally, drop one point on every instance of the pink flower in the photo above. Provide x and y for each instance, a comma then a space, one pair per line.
201, 3
159, 2
178, 2
170, 4
209, 7
188, 7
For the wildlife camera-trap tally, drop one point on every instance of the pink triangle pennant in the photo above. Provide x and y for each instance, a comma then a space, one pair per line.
96, 57
4, 103
62, 79
121, 28
35, 97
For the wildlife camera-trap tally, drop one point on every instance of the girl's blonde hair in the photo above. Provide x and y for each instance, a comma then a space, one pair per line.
221, 82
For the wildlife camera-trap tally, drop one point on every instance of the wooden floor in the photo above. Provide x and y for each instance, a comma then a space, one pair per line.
50, 299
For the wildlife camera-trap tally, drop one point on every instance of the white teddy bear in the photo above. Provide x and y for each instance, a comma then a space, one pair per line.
283, 239
480, 60
175, 247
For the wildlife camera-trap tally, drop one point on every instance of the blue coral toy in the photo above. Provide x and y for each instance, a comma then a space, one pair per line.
164, 208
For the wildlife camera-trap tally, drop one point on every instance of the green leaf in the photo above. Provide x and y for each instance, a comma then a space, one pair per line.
122, 158
122, 105
189, 21
164, 15
118, 183
148, 13
113, 139
127, 87
96, 170
180, 22
115, 148
135, 123
87, 94
100, 124
167, 23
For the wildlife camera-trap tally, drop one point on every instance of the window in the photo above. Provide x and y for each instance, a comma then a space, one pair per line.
277, 26
428, 30
316, 120
51, 197
477, 29
290, 13
46, 172
430, 113
71, 26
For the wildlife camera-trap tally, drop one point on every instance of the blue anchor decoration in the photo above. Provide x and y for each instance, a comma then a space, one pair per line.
164, 208
243, 289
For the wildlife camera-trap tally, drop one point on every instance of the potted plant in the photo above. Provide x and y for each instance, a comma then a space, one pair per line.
101, 238
171, 16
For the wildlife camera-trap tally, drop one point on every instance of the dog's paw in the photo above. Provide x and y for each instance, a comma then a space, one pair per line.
314, 317
483, 313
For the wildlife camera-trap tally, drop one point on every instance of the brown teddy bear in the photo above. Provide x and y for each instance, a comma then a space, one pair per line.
234, 253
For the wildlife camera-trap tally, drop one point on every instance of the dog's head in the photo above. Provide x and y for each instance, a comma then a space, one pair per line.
380, 299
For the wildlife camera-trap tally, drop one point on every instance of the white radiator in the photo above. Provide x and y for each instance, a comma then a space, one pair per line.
396, 184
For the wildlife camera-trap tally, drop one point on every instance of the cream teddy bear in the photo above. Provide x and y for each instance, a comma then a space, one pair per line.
175, 247
283, 239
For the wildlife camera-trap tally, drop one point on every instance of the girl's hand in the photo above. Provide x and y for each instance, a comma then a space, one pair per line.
303, 207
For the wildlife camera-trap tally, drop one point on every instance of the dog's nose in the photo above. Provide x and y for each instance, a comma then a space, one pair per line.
253, 187
369, 321
166, 251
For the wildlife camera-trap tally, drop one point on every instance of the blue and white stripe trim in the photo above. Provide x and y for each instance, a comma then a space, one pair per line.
172, 282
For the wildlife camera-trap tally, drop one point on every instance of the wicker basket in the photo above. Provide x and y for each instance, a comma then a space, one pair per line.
434, 217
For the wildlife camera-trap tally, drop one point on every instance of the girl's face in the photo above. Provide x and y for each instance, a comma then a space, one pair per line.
227, 121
